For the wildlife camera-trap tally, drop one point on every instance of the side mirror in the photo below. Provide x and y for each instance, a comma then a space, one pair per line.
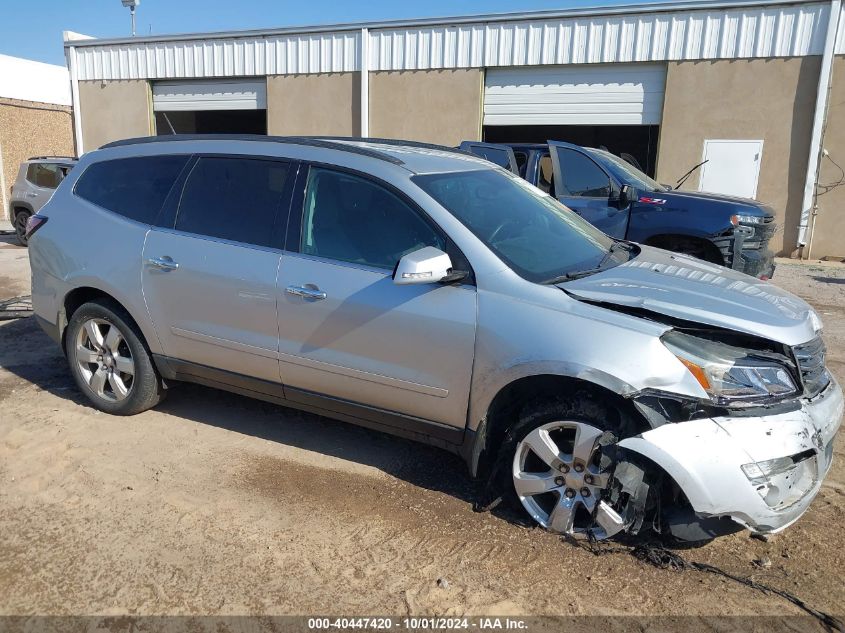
428, 265
626, 195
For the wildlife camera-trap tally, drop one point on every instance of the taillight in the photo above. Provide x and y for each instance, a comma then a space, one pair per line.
33, 223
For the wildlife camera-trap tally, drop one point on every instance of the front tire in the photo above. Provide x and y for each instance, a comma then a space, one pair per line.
21, 218
561, 465
109, 360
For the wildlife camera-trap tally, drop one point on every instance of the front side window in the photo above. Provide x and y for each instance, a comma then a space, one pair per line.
581, 176
234, 199
132, 187
352, 219
44, 175
530, 231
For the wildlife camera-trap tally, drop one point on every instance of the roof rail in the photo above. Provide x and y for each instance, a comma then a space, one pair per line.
309, 141
393, 143
52, 158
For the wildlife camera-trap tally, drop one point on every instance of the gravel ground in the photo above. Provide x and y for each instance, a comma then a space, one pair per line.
217, 504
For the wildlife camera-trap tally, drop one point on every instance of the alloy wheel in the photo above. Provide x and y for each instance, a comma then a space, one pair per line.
105, 360
557, 478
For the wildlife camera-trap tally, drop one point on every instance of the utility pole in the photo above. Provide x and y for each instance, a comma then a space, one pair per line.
131, 4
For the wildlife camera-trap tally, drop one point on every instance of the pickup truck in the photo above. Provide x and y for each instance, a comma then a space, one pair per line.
625, 203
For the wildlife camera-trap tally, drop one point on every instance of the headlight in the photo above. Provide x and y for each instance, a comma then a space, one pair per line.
730, 373
748, 219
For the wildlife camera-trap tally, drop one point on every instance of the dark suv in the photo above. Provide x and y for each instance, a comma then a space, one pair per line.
625, 203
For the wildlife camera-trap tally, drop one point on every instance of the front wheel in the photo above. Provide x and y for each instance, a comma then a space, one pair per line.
109, 360
562, 464
21, 218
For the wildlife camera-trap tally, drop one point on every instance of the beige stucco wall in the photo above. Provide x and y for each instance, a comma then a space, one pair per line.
113, 110
437, 106
325, 104
31, 129
829, 232
768, 99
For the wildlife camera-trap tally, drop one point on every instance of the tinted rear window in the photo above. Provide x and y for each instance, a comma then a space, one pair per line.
47, 175
132, 187
233, 198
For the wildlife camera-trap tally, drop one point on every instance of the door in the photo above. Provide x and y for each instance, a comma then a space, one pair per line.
210, 281
502, 155
585, 187
583, 94
346, 330
732, 167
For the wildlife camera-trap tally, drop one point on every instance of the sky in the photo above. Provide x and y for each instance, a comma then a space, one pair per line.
33, 28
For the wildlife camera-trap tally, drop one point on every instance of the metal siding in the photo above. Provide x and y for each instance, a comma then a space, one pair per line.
689, 35
753, 31
582, 95
236, 57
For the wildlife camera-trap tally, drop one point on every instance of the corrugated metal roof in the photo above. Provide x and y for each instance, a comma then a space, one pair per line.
660, 32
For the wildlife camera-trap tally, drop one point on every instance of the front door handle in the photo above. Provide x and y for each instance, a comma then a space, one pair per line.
162, 263
308, 291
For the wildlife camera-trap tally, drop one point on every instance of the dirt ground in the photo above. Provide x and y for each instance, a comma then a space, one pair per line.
217, 504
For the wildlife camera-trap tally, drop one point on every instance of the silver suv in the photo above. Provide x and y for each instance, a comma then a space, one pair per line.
37, 178
604, 386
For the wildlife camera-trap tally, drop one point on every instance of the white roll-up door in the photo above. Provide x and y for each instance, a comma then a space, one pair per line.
587, 94
172, 96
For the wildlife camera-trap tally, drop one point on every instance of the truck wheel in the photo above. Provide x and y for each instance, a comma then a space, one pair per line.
561, 461
20, 226
109, 360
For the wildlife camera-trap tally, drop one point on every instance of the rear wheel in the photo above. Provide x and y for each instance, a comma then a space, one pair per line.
109, 360
21, 218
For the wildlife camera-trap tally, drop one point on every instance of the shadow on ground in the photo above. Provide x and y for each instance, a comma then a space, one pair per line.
27, 352
830, 280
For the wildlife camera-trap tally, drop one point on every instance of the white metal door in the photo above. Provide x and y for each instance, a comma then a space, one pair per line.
586, 94
233, 94
732, 167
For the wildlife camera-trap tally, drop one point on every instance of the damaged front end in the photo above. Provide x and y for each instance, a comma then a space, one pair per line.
753, 454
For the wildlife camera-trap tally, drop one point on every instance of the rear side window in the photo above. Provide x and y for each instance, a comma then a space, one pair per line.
132, 187
48, 176
233, 199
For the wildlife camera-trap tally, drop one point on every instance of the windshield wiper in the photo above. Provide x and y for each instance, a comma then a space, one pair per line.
591, 271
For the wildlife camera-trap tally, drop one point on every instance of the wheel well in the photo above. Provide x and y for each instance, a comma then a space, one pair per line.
18, 209
78, 296
505, 409
698, 246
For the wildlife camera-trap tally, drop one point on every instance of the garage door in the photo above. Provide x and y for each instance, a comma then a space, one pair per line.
589, 94
209, 95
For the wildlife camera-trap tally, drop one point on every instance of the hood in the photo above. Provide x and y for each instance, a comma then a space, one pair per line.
739, 204
686, 288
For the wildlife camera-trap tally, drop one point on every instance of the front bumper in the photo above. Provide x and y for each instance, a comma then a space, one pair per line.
705, 458
745, 249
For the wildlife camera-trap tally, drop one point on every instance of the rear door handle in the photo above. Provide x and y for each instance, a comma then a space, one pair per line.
162, 263
31, 194
308, 291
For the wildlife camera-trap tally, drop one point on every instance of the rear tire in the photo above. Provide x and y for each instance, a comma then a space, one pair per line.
21, 218
110, 361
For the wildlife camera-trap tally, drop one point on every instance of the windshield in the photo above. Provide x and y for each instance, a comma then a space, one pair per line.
627, 172
539, 238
